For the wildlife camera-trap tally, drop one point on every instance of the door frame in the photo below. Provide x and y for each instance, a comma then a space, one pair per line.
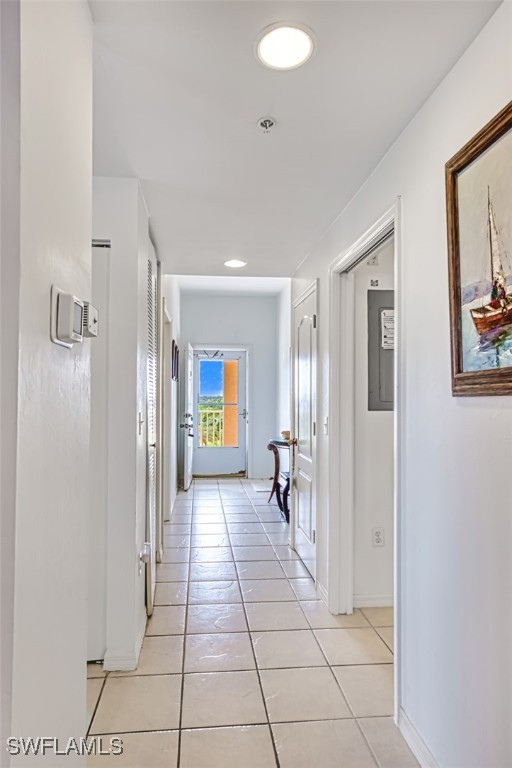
341, 421
168, 407
160, 322
247, 348
313, 287
188, 413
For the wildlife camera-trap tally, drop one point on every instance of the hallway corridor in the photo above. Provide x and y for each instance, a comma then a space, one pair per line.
242, 665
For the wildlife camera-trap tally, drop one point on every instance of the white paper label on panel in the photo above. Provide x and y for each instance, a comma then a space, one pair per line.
387, 325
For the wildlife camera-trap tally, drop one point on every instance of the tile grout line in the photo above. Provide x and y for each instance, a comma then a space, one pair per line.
89, 726
274, 747
130, 676
374, 756
248, 725
182, 690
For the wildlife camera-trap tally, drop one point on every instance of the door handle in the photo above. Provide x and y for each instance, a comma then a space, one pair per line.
185, 426
145, 553
144, 556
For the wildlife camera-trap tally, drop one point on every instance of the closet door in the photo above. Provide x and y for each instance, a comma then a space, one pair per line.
152, 368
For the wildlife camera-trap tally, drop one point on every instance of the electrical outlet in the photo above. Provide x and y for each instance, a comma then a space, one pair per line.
378, 537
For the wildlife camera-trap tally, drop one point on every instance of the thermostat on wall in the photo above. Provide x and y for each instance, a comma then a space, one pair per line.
66, 319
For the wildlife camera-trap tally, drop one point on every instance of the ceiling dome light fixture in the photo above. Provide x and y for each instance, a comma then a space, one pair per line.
235, 263
284, 46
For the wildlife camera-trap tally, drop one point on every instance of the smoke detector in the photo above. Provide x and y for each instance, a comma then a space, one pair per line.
266, 124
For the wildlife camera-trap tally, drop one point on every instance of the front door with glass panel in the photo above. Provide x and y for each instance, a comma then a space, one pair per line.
220, 418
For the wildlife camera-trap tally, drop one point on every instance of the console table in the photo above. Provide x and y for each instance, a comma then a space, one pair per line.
281, 483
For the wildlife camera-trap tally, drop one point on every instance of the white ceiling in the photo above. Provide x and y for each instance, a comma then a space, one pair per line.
178, 93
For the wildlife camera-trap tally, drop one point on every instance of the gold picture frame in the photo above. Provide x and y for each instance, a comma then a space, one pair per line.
479, 223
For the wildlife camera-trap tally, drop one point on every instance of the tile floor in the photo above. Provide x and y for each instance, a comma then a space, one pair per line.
242, 665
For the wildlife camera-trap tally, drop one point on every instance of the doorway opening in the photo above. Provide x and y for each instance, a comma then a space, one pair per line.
169, 417
219, 412
364, 490
373, 429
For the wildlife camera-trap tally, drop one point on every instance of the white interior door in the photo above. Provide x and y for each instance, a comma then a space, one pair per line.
305, 430
220, 408
151, 478
188, 419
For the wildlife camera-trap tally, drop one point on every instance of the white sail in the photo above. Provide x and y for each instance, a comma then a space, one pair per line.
496, 263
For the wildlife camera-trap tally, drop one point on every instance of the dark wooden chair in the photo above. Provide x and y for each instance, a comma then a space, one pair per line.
281, 481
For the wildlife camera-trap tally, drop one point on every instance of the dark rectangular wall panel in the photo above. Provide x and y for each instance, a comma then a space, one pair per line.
380, 350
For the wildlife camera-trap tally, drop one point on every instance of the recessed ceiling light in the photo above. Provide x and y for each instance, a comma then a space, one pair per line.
235, 263
284, 46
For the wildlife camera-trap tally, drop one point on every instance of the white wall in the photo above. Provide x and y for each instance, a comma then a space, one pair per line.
246, 320
283, 359
119, 215
9, 330
455, 668
373, 459
171, 293
50, 618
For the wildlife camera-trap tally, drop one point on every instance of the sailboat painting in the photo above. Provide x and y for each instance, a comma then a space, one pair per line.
497, 313
487, 341
479, 212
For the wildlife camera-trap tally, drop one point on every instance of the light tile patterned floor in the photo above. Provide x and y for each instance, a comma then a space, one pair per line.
242, 665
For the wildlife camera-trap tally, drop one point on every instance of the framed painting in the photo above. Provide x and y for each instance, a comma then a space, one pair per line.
479, 219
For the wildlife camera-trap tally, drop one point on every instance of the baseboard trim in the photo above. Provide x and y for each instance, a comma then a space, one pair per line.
128, 662
373, 601
234, 475
416, 744
113, 663
322, 592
